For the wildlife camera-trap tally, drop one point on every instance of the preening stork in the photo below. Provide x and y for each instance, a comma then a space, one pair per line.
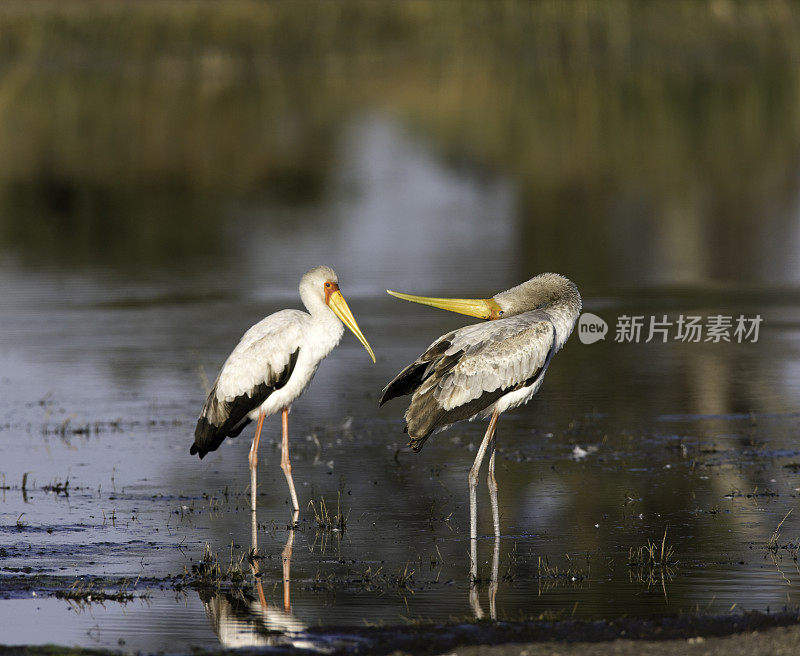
484, 369
271, 366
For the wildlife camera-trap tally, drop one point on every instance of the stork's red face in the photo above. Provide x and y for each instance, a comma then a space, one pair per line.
330, 287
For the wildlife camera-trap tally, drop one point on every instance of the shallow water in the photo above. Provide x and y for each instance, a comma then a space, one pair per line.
695, 440
119, 305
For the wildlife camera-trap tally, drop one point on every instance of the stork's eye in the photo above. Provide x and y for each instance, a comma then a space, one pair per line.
501, 313
327, 284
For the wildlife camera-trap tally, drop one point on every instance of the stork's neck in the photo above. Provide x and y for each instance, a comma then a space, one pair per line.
565, 313
325, 330
321, 314
315, 305
547, 292
313, 297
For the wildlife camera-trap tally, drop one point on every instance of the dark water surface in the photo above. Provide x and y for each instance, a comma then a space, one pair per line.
158, 200
103, 377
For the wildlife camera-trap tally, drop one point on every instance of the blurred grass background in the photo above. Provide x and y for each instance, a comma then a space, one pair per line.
115, 117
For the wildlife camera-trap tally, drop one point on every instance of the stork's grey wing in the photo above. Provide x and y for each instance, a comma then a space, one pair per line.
482, 363
261, 363
493, 356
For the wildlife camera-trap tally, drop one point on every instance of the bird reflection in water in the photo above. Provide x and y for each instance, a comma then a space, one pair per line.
475, 585
258, 623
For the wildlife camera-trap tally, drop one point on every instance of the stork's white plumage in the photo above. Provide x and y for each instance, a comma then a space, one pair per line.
485, 369
272, 365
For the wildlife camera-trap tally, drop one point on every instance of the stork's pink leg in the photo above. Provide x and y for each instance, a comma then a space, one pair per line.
473, 495
492, 483
253, 457
286, 466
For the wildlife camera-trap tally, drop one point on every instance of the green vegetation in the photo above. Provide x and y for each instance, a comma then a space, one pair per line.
577, 102
652, 554
243, 95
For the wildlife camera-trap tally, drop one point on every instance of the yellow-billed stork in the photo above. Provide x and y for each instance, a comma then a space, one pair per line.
484, 369
271, 366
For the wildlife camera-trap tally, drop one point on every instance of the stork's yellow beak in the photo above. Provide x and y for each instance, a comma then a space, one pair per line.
337, 303
483, 308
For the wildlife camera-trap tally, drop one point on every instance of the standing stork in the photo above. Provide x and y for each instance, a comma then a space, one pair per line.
484, 369
271, 366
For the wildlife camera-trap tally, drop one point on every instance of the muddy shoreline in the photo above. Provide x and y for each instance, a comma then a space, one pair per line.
751, 632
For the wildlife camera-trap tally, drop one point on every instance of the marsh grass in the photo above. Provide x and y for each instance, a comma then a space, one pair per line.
84, 593
549, 573
212, 571
772, 543
400, 579
327, 520
774, 546
651, 554
652, 563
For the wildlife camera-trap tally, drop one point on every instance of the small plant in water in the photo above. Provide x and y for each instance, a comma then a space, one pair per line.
547, 573
327, 521
84, 593
652, 563
773, 546
211, 571
772, 543
652, 554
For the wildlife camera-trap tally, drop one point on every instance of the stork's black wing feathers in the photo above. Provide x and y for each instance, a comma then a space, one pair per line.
408, 380
221, 419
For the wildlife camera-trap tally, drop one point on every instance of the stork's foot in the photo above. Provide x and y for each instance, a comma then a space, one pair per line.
293, 525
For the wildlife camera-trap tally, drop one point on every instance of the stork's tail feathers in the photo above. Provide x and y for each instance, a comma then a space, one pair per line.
416, 443
206, 438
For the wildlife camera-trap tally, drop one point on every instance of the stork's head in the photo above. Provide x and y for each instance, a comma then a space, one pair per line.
539, 292
319, 287
544, 291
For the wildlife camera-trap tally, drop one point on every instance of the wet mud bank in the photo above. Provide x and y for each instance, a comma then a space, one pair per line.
748, 633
